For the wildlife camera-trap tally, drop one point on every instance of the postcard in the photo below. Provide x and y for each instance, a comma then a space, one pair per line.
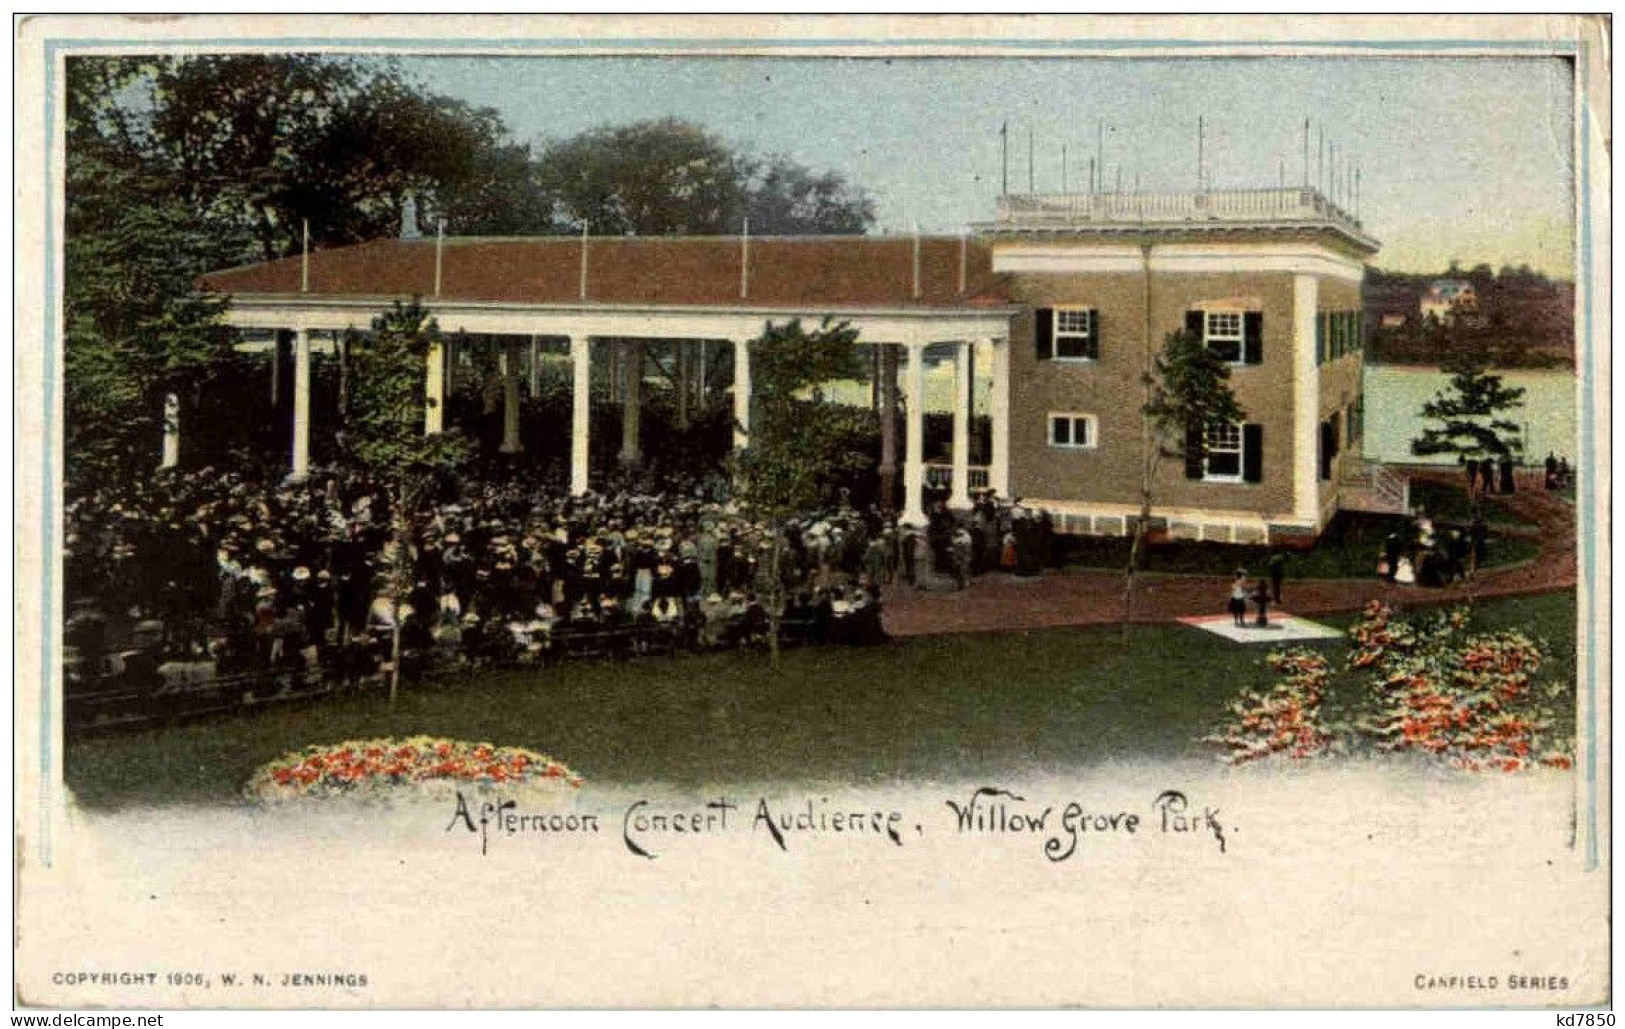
812, 512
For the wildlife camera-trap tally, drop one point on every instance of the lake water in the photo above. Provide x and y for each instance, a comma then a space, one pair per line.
1394, 395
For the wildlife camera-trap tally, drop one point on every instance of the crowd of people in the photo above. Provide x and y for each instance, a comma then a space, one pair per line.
1424, 555
191, 575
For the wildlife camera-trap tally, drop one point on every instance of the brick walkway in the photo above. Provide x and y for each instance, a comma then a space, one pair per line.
1004, 602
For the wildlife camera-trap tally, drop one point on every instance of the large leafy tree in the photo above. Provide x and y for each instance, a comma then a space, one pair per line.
669, 177
385, 436
1187, 390
649, 178
268, 142
784, 198
799, 447
1467, 419
135, 326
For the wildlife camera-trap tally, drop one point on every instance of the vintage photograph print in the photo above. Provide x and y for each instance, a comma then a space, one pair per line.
809, 512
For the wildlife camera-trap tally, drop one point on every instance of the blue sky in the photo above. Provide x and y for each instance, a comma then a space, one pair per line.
1464, 158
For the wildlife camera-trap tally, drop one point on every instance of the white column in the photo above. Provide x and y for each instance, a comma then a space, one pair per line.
960, 496
1305, 400
535, 367
998, 470
914, 463
581, 412
172, 431
631, 403
741, 393
434, 390
510, 397
300, 462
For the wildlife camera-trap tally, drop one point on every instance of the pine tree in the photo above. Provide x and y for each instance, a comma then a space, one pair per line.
1466, 415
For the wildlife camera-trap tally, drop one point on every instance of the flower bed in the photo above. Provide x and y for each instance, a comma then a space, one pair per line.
1469, 700
1283, 720
1431, 688
386, 767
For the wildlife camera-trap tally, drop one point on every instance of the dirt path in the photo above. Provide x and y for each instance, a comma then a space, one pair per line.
1006, 602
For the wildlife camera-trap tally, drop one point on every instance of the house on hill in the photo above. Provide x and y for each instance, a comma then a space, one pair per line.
1446, 299
1072, 294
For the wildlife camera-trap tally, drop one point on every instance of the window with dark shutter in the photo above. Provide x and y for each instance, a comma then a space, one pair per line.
1328, 448
1252, 453
1076, 336
1320, 337
1043, 332
1226, 452
1253, 348
1193, 453
1195, 323
1223, 335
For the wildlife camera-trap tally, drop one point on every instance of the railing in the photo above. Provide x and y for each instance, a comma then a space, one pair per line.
941, 476
1245, 206
1393, 488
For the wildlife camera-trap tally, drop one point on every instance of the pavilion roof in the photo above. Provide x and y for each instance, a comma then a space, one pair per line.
813, 272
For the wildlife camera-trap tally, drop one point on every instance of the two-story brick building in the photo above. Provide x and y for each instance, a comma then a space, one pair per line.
1270, 279
1072, 295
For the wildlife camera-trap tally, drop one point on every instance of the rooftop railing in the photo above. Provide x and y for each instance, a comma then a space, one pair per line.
1281, 206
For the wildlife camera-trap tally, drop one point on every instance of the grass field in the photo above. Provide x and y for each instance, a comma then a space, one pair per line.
936, 707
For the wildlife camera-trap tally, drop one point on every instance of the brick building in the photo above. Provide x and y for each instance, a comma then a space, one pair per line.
1070, 295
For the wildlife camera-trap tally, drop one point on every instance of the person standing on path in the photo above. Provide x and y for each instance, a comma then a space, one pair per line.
1277, 567
1261, 597
1238, 598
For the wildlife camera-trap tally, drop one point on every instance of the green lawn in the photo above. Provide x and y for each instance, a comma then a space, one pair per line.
926, 708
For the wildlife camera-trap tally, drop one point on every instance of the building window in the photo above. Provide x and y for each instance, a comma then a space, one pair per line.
1223, 335
1225, 458
1073, 431
1076, 336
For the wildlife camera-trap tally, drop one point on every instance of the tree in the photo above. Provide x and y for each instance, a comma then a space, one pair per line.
671, 177
650, 178
784, 198
135, 326
798, 446
385, 436
267, 142
1187, 390
1466, 415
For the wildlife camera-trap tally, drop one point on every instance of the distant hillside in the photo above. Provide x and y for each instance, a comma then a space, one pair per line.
1522, 320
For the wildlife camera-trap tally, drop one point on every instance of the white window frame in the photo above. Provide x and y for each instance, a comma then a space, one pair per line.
1057, 333
1240, 450
1074, 417
1239, 338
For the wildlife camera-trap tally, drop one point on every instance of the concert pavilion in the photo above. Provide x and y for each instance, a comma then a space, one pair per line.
1071, 294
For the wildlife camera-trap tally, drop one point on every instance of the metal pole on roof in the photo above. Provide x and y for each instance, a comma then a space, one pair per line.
964, 258
583, 259
304, 260
744, 261
1306, 153
1063, 168
1100, 155
916, 260
439, 253
1320, 159
1201, 141
1004, 157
